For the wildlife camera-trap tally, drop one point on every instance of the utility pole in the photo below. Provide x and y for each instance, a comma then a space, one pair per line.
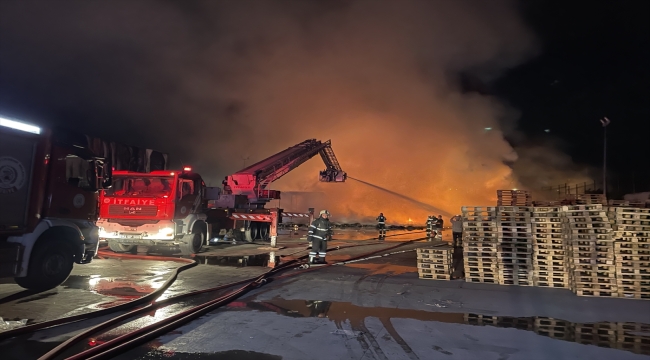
605, 121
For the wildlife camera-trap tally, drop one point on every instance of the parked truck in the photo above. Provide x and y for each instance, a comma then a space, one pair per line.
49, 182
175, 211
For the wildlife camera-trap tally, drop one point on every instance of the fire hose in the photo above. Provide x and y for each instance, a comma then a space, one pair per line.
254, 282
135, 338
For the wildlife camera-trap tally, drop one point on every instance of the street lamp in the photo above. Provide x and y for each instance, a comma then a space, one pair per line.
605, 121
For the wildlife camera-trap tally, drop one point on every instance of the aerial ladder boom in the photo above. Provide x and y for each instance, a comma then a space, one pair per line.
254, 180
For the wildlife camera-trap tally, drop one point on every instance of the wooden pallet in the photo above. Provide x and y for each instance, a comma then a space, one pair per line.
515, 240
551, 268
560, 254
478, 261
481, 270
435, 250
596, 293
547, 220
626, 203
630, 210
555, 238
516, 282
434, 257
435, 267
479, 255
592, 207
481, 280
481, 234
434, 276
479, 224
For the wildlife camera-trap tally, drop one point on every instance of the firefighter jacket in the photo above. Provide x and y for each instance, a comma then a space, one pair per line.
321, 229
381, 220
431, 222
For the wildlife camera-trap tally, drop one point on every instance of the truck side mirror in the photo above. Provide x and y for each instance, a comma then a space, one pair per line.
106, 175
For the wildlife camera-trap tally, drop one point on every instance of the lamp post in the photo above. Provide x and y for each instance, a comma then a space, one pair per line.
605, 121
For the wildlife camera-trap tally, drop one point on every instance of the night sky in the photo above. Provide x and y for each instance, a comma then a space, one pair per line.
592, 62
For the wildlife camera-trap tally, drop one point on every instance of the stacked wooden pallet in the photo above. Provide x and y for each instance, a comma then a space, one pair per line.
588, 233
626, 203
514, 198
435, 262
551, 255
632, 250
480, 244
515, 249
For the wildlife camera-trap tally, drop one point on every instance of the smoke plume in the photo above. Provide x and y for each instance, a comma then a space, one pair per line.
221, 83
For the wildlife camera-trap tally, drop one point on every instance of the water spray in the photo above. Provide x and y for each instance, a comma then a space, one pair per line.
420, 204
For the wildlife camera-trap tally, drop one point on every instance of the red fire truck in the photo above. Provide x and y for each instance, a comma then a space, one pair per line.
176, 211
48, 203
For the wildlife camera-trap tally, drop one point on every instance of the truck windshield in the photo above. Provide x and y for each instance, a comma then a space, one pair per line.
148, 186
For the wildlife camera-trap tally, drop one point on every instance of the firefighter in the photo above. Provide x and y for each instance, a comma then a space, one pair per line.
320, 231
381, 224
431, 221
439, 225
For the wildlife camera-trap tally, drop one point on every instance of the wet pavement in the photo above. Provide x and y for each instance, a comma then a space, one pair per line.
372, 309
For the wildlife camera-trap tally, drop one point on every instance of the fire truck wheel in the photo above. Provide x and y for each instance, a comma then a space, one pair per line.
265, 229
50, 265
120, 248
194, 243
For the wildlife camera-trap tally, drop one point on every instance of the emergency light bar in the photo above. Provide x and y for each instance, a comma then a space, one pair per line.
187, 168
20, 126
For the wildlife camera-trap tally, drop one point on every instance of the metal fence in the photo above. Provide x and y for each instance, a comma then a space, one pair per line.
574, 189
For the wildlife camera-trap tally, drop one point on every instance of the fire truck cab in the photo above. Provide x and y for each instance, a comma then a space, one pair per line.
159, 209
48, 203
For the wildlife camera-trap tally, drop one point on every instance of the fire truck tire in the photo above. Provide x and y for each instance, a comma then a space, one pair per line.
265, 229
194, 242
254, 230
120, 248
50, 265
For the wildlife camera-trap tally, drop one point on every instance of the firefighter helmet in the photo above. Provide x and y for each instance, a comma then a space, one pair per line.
324, 212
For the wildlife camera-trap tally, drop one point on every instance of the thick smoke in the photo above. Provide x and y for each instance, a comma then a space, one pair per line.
220, 83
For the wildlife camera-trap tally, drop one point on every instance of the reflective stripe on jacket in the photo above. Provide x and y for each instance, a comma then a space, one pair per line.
320, 229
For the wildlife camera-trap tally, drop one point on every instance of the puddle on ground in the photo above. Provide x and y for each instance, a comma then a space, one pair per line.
121, 288
633, 337
238, 261
164, 353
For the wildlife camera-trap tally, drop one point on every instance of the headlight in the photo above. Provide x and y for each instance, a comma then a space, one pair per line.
166, 231
102, 233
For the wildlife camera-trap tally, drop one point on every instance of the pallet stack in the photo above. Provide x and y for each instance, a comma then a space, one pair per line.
435, 262
551, 255
632, 251
515, 248
514, 198
588, 233
480, 244
626, 203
